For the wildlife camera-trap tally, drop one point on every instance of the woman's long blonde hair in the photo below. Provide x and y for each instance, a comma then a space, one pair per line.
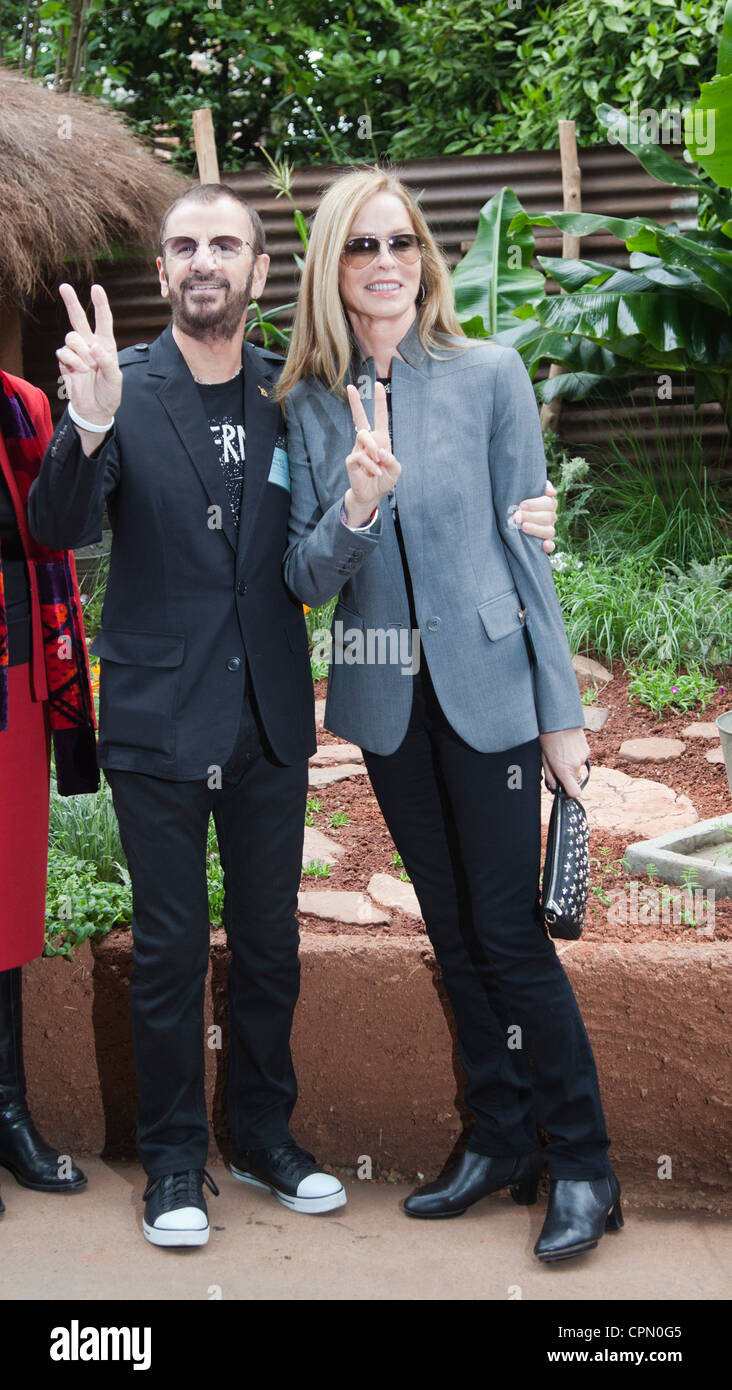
322, 341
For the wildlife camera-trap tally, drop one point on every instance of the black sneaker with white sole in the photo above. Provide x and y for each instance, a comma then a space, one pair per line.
292, 1174
175, 1208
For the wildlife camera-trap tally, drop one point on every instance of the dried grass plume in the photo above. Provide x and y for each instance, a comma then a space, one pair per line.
74, 182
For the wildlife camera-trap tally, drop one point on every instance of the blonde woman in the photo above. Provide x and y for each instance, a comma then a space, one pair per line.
451, 669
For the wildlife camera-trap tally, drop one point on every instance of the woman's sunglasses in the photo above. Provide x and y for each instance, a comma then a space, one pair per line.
359, 250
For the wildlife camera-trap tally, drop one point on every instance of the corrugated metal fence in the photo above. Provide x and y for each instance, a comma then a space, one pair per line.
452, 192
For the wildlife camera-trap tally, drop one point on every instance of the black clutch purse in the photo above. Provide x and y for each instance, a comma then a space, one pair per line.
566, 879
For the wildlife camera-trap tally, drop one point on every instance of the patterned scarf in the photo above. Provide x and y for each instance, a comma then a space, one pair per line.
70, 700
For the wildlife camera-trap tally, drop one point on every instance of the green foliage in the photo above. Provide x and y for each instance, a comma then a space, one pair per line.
635, 609
324, 82
339, 818
569, 476
85, 828
671, 311
316, 868
664, 688
661, 508
314, 805
318, 622
80, 905
214, 876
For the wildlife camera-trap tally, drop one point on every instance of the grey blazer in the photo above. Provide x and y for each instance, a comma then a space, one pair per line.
466, 433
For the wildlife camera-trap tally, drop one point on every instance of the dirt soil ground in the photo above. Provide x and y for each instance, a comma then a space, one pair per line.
369, 848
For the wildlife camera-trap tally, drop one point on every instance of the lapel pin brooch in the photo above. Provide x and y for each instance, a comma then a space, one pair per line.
264, 393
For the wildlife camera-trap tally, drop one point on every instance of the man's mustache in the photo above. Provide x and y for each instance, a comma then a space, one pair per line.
205, 280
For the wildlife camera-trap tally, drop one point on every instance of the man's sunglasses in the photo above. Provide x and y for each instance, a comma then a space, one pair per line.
224, 248
359, 250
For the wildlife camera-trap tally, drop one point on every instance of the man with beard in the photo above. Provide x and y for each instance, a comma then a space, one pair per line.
206, 702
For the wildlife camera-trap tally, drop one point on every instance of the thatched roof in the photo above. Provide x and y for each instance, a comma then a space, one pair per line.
73, 183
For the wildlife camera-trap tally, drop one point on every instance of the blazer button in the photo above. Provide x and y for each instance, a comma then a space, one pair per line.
233, 663
241, 587
433, 624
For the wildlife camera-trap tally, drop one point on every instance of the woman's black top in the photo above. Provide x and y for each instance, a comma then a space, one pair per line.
391, 498
15, 578
423, 672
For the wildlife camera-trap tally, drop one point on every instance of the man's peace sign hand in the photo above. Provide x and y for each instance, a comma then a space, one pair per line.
372, 468
88, 361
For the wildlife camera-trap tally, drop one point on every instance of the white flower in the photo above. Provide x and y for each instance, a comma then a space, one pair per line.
201, 62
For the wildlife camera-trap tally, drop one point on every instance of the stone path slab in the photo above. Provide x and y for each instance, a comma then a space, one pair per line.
591, 675
632, 806
714, 755
318, 846
651, 750
319, 713
700, 730
324, 776
596, 717
329, 753
394, 892
354, 908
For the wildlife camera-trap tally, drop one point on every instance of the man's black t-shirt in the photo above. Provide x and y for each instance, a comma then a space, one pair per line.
224, 406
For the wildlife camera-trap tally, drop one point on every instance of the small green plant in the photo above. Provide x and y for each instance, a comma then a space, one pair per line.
339, 818
569, 476
312, 807
602, 895
398, 862
589, 696
85, 828
631, 608
316, 868
80, 905
662, 688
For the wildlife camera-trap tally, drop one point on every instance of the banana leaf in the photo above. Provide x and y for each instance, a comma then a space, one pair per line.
724, 54
655, 159
698, 252
495, 276
668, 323
574, 275
714, 153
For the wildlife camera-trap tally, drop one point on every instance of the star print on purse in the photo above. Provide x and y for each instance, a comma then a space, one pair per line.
566, 878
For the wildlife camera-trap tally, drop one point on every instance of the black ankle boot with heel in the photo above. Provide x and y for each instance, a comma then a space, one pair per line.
579, 1212
477, 1176
32, 1162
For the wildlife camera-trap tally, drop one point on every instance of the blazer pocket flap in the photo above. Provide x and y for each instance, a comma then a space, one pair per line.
139, 648
349, 619
502, 615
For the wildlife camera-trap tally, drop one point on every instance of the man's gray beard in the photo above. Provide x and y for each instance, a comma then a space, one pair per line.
219, 325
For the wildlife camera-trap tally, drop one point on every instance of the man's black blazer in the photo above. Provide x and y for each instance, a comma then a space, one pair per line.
188, 609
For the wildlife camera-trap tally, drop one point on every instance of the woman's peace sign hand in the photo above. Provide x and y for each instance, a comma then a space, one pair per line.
372, 468
88, 361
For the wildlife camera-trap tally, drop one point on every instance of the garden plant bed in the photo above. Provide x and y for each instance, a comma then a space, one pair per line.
368, 847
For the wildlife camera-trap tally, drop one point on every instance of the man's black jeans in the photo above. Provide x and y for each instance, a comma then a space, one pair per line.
259, 813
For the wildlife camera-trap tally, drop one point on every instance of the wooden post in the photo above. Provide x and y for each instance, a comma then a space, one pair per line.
203, 134
572, 201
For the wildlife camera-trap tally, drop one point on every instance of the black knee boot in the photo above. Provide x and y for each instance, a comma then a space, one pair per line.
22, 1150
